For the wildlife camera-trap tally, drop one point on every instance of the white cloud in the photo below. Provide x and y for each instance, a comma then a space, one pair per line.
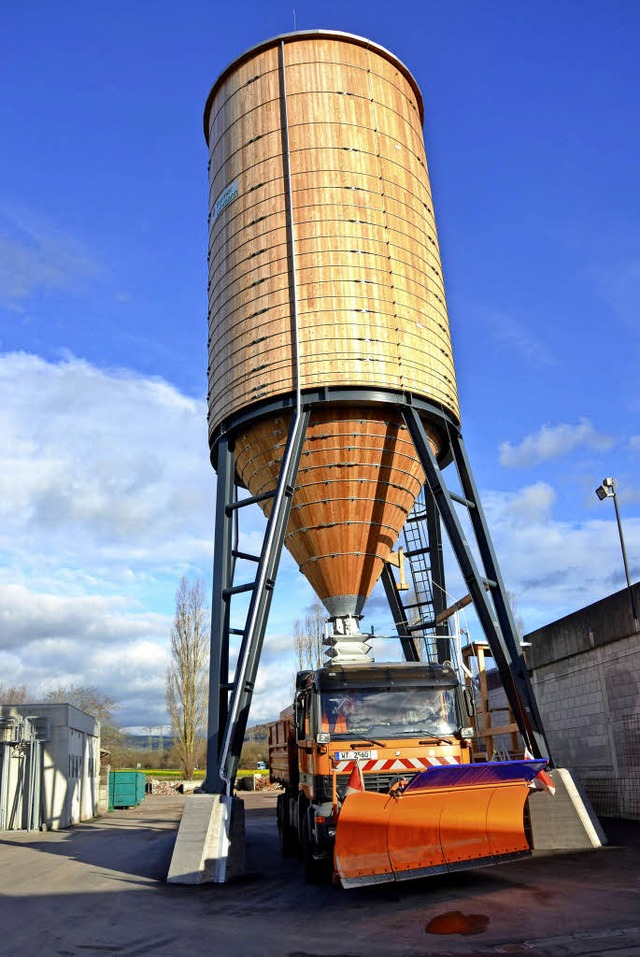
27, 616
620, 286
519, 338
106, 499
101, 465
554, 566
552, 442
533, 503
49, 641
35, 255
275, 684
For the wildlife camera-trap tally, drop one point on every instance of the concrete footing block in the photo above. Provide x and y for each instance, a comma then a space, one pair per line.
210, 841
564, 820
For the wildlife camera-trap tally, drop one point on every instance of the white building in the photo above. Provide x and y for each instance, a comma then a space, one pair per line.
49, 766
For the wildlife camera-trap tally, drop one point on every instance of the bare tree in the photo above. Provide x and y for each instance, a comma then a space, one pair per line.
187, 674
95, 703
308, 637
13, 694
88, 699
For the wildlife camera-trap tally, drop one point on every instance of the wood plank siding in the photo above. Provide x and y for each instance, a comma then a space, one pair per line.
368, 284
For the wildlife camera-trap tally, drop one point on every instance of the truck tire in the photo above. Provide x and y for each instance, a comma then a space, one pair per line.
286, 834
316, 870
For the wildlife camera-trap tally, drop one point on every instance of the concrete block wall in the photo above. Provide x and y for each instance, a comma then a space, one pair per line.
585, 670
591, 707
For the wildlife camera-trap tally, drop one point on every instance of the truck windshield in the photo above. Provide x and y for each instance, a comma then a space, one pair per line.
390, 711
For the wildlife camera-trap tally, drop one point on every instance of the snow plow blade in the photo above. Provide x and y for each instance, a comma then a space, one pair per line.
447, 818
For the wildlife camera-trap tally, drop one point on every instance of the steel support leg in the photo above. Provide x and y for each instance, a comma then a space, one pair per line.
518, 671
251, 647
497, 623
222, 580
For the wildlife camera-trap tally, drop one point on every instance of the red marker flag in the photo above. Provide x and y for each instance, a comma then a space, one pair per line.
542, 780
356, 780
545, 780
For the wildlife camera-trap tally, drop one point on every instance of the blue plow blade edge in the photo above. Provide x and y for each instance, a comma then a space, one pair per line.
468, 775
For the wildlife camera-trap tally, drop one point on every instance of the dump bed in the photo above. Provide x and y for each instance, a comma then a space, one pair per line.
283, 752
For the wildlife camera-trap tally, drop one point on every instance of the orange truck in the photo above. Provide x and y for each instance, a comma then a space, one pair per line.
379, 785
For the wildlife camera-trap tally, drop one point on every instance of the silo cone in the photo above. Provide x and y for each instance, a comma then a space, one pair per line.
325, 275
357, 482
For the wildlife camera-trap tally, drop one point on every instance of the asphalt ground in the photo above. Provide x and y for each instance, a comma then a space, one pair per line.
98, 889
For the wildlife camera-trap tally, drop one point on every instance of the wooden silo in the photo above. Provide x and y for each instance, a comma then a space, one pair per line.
325, 286
332, 393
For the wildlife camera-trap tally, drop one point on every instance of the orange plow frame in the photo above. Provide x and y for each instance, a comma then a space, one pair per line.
433, 828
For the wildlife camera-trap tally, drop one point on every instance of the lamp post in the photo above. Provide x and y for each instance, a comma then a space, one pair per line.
608, 490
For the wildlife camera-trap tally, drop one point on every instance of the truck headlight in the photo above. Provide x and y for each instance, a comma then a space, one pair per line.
466, 732
323, 737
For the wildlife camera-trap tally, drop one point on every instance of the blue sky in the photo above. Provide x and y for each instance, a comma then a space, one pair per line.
532, 138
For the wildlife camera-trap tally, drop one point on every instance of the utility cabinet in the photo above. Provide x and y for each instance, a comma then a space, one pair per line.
49, 766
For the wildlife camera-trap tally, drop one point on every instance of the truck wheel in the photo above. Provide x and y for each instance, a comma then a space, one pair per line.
286, 834
316, 871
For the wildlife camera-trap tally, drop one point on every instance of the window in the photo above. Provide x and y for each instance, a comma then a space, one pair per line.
391, 711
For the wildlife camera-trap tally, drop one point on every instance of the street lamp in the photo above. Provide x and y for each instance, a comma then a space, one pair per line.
608, 490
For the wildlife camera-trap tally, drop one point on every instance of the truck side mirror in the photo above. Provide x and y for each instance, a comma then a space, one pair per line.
300, 703
469, 703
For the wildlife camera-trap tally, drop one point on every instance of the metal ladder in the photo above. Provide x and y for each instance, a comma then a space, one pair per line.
421, 612
230, 700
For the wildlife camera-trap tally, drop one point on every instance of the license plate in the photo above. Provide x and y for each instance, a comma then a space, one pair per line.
351, 755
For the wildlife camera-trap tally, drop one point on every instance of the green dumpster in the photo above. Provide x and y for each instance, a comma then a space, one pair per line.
126, 788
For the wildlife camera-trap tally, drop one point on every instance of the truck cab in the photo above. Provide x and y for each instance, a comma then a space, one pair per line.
390, 720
